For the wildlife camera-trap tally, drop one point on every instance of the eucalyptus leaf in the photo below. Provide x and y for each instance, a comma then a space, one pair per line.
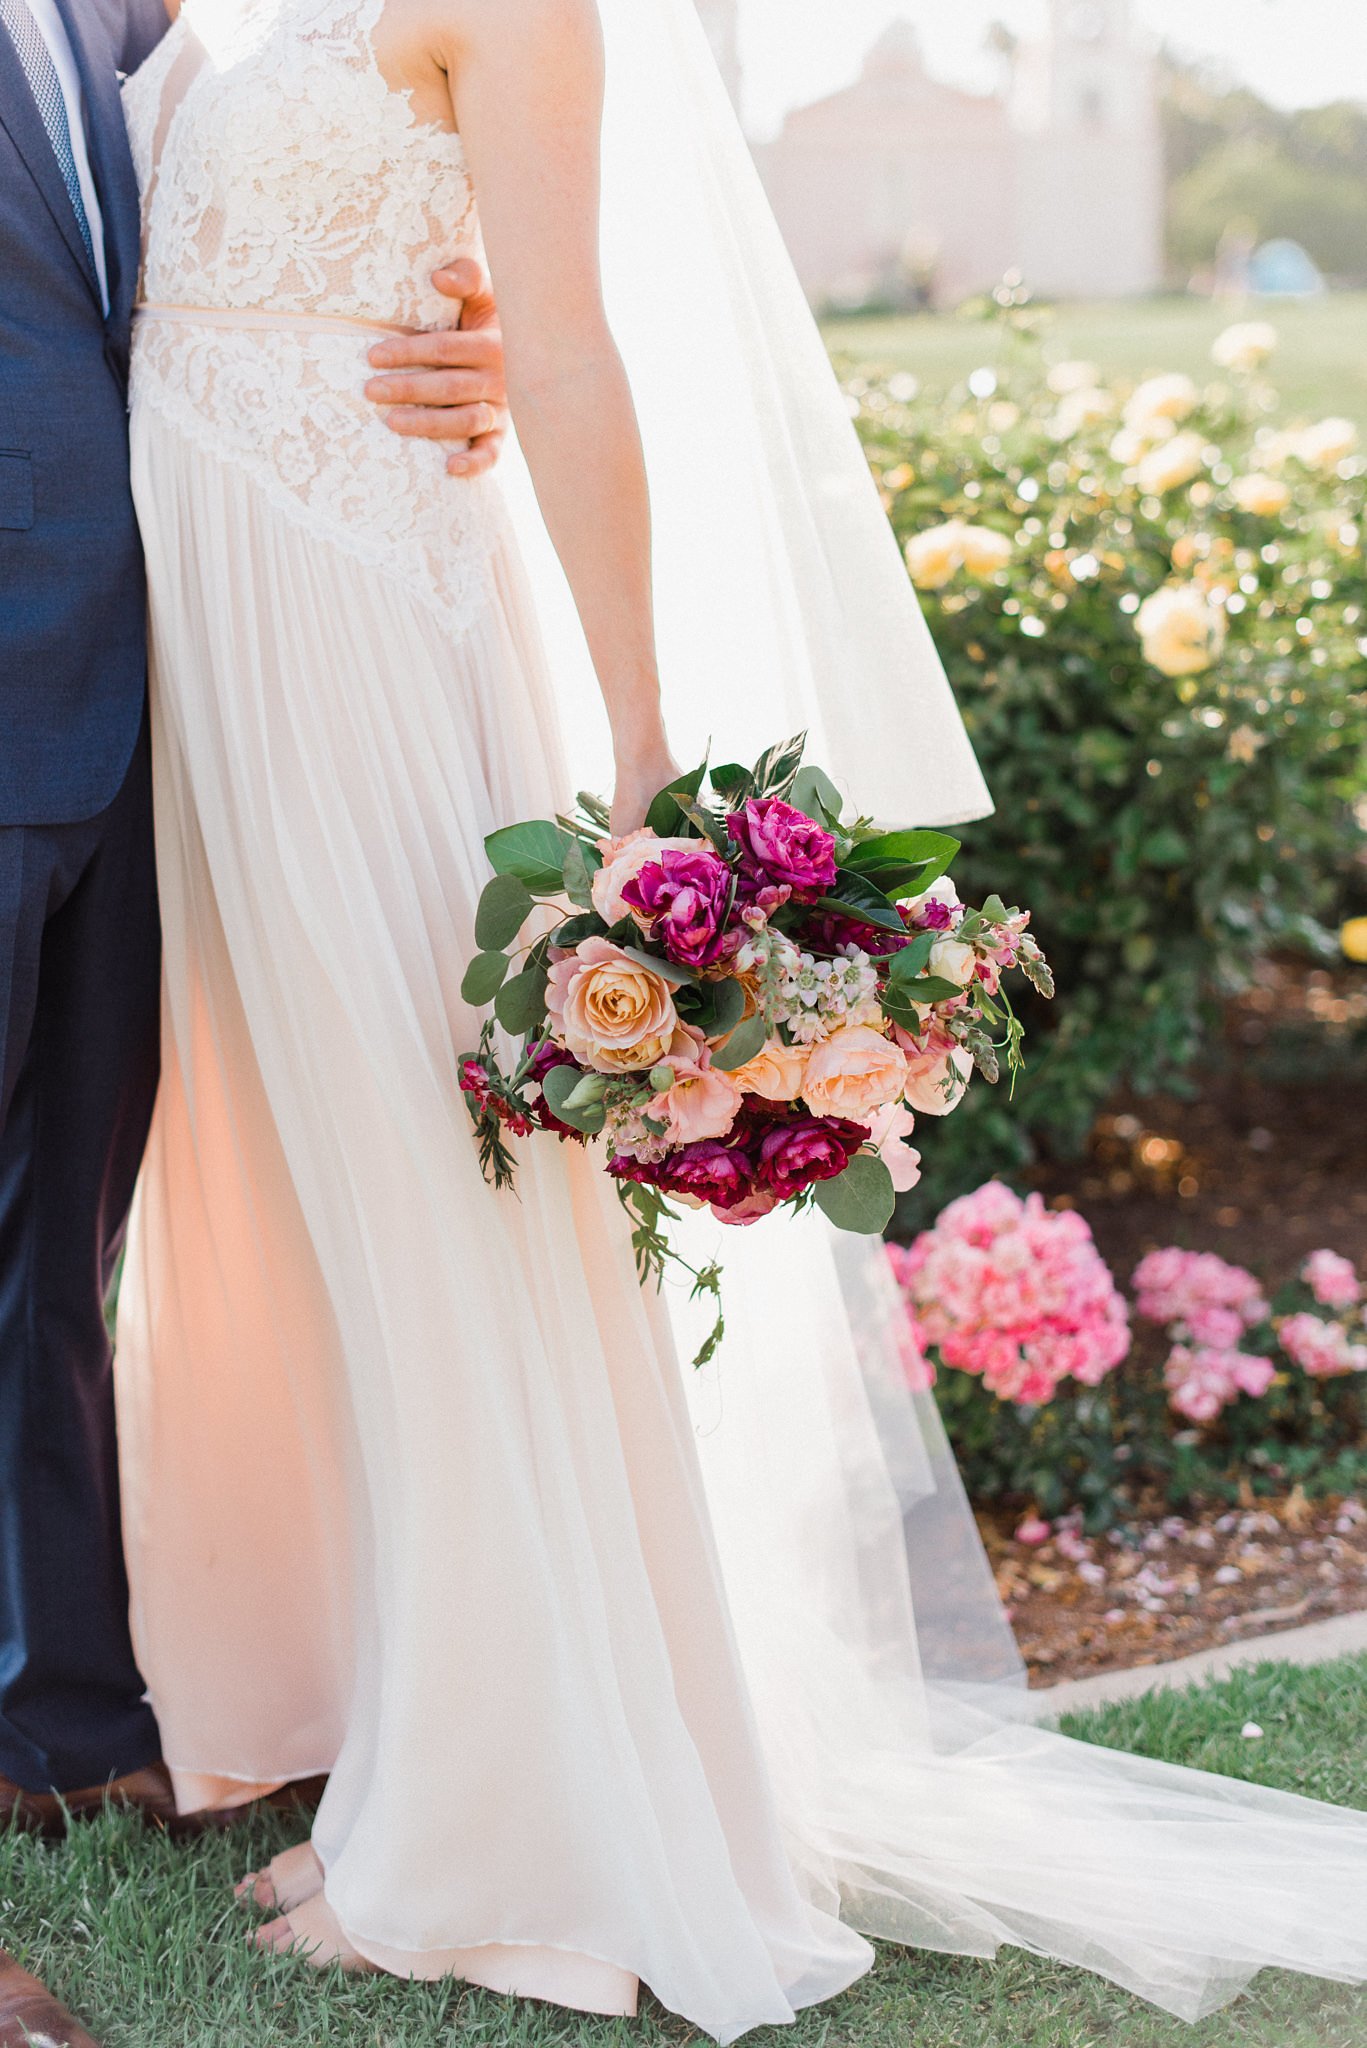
861, 1199
520, 1004
559, 1085
750, 1036
712, 1007
668, 970
576, 876
483, 978
503, 909
664, 816
814, 794
534, 852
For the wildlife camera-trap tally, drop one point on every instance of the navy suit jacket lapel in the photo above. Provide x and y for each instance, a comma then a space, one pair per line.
19, 114
110, 160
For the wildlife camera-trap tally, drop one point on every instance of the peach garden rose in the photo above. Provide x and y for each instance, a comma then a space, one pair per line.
853, 1074
776, 1072
613, 1014
701, 1101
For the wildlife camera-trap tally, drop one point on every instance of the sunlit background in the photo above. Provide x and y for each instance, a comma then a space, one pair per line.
1143, 166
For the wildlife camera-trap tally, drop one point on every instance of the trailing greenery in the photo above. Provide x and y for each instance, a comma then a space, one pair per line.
1167, 828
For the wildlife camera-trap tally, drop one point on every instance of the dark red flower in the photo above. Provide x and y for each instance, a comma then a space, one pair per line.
794, 1155
714, 1170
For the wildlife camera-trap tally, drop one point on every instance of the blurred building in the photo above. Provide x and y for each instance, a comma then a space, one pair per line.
902, 188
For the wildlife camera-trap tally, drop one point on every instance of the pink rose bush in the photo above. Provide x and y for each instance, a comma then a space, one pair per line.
1014, 1293
1327, 1347
748, 999
1209, 1306
1020, 1328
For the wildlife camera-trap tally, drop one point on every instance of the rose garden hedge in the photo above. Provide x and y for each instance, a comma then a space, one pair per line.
1152, 604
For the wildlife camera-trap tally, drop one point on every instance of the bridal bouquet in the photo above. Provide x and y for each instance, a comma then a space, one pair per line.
748, 1000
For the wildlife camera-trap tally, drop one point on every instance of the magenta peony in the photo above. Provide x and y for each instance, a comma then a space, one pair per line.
681, 901
784, 846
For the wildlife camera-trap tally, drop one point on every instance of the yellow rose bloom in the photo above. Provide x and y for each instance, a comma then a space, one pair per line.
1264, 496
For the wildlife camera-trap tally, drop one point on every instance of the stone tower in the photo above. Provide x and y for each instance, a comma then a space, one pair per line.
721, 19
1089, 199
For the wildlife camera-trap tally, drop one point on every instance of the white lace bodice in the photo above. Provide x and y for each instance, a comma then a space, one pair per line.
281, 173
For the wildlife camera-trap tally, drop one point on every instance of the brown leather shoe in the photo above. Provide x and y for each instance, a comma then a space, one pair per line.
147, 1792
30, 2014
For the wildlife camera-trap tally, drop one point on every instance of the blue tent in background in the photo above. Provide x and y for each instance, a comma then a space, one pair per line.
1282, 269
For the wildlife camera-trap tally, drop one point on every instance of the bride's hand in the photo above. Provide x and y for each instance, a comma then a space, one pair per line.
639, 781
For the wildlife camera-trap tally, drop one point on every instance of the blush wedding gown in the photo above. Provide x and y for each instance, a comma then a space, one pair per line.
620, 1673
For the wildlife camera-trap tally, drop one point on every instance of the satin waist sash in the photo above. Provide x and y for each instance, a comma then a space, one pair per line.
261, 317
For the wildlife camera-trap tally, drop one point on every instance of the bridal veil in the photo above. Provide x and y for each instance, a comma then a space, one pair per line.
915, 1789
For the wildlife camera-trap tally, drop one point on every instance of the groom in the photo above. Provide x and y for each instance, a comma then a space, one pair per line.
79, 942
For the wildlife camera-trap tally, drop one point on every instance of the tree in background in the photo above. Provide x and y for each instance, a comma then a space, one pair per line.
1234, 160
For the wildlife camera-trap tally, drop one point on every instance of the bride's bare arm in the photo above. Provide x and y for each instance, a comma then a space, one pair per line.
526, 79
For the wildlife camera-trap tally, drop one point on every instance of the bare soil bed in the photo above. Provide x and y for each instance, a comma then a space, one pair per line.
1164, 1586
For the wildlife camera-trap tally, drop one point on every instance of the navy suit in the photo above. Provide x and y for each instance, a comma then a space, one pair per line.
79, 948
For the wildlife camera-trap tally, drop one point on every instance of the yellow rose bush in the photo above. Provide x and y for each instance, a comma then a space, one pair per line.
1162, 658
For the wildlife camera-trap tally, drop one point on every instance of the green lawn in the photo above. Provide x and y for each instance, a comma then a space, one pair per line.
145, 1942
1320, 365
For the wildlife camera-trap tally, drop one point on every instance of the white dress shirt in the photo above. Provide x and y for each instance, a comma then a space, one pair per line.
53, 31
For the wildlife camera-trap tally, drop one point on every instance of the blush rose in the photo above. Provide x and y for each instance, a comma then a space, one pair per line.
611, 1012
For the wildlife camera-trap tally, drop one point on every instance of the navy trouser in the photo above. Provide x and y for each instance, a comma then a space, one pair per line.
79, 993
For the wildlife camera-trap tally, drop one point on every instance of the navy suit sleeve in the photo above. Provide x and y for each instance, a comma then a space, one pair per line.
145, 22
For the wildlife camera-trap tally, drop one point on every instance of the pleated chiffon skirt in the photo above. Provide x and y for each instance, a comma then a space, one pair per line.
411, 1490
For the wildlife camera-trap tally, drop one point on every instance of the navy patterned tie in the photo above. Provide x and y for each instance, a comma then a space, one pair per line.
46, 88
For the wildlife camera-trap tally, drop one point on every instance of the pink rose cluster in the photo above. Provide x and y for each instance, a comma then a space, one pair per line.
1207, 1306
1203, 1379
1328, 1347
1015, 1294
1211, 1302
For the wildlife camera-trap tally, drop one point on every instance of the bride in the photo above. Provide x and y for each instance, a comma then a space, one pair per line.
609, 1692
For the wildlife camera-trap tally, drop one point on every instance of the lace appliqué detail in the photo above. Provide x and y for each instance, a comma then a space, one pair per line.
287, 410
280, 171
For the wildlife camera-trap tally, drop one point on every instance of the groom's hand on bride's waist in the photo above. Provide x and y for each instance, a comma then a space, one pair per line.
447, 385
